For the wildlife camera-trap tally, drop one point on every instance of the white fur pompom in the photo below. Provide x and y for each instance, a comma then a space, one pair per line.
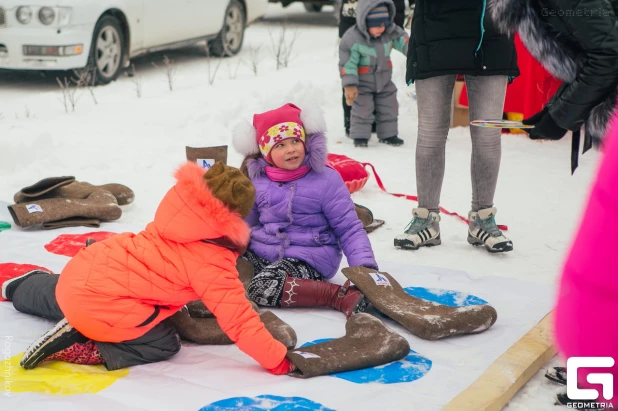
313, 119
244, 138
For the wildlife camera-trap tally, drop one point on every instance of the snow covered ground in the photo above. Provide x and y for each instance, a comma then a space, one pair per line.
140, 141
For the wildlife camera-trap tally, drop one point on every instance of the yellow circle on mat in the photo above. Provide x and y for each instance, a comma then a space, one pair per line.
57, 378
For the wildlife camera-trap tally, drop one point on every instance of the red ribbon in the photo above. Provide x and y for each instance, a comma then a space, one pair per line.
415, 198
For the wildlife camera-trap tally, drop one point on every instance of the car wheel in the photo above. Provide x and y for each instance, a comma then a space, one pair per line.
312, 7
107, 50
229, 40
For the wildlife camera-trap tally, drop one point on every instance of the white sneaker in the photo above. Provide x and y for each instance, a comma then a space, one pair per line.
423, 231
483, 230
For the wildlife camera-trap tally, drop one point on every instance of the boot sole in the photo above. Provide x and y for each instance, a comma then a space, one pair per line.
62, 336
476, 242
391, 144
409, 245
374, 226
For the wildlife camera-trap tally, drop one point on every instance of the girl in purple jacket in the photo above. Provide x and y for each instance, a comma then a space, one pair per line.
303, 217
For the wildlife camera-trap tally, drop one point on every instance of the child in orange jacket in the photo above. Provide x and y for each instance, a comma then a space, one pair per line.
112, 297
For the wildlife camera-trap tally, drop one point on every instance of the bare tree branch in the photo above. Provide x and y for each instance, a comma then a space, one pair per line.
212, 73
137, 81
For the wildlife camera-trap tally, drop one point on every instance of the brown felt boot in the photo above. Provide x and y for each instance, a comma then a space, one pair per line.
64, 212
67, 187
425, 319
207, 331
367, 343
366, 217
206, 157
197, 309
312, 293
245, 271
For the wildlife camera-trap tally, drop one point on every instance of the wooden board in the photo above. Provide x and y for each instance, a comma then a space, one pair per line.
492, 390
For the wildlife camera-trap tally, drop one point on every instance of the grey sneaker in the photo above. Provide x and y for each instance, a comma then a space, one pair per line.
423, 230
483, 230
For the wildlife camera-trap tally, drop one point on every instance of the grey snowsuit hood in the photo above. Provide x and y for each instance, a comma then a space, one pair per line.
364, 62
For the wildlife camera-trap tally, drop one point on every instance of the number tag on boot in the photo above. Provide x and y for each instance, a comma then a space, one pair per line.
306, 354
34, 208
380, 279
205, 163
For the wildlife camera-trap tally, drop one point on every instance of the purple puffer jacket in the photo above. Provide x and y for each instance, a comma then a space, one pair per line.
311, 219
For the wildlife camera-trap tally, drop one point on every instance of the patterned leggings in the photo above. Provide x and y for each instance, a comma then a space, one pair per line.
266, 287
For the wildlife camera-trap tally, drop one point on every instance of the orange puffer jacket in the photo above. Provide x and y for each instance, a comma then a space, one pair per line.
118, 289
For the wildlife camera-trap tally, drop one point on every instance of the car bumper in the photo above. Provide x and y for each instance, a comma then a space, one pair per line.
15, 53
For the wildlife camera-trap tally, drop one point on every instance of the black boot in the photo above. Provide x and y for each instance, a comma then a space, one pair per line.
55, 341
10, 285
563, 399
392, 141
361, 142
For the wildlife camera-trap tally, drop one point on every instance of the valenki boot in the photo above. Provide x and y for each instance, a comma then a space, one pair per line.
311, 293
197, 309
245, 271
67, 187
64, 212
207, 331
365, 215
72, 222
205, 157
425, 319
41, 188
367, 343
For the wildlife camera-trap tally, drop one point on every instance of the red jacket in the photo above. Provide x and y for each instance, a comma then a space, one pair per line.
118, 289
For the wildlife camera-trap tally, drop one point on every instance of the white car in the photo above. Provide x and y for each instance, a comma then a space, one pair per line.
103, 35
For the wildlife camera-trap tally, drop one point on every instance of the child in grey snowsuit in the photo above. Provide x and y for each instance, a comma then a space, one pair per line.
347, 18
366, 71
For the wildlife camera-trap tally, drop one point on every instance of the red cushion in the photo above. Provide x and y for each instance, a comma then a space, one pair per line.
352, 172
12, 270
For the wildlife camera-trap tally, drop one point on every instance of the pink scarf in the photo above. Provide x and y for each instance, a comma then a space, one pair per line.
281, 175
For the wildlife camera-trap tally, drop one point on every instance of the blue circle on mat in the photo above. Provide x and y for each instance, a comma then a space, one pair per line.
447, 297
413, 367
265, 402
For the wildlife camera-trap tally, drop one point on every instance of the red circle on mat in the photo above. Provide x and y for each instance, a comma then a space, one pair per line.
12, 270
70, 244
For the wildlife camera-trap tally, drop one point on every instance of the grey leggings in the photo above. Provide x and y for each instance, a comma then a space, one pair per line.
486, 95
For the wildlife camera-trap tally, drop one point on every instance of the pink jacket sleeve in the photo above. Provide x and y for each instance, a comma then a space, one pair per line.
586, 322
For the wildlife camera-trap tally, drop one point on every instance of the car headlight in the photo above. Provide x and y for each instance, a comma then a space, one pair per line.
64, 16
24, 14
47, 15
